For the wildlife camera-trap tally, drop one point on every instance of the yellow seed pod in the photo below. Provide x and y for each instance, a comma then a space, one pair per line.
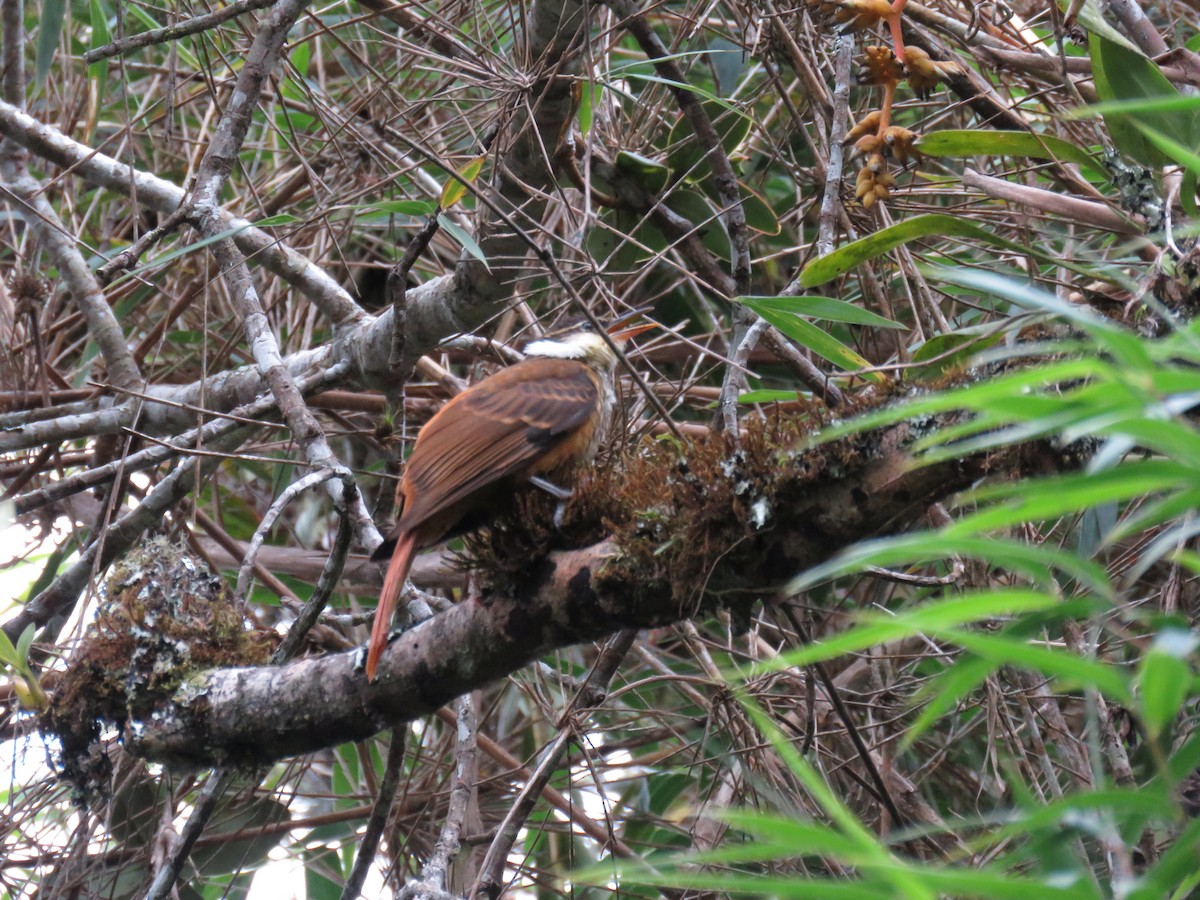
868, 124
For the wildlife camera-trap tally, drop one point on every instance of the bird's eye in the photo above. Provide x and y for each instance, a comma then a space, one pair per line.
586, 326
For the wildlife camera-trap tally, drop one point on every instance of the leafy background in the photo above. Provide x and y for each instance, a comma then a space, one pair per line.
998, 705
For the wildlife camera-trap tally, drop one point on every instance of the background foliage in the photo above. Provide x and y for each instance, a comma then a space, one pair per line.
1000, 703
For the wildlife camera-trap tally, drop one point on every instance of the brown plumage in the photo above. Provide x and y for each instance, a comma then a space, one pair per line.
544, 416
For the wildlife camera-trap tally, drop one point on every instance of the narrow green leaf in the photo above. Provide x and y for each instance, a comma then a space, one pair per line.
401, 207
50, 26
758, 212
819, 342
1051, 661
589, 98
981, 142
1048, 498
456, 186
1125, 74
25, 641
8, 653
842, 260
941, 615
827, 308
651, 175
1168, 103
1035, 562
1178, 153
952, 350
98, 13
1164, 679
1092, 17
690, 88
276, 220
468, 242
768, 396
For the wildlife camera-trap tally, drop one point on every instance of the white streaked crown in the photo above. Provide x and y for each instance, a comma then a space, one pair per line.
585, 346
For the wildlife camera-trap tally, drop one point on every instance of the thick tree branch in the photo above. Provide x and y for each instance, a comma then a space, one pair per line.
569, 597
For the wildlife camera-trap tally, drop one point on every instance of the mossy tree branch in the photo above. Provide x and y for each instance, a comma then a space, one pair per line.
715, 555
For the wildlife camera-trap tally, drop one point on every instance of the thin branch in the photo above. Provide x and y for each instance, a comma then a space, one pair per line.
274, 511
831, 199
1084, 212
435, 875
489, 882
161, 195
175, 31
45, 222
368, 844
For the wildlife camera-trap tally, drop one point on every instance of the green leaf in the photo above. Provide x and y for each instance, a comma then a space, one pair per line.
1164, 679
1184, 156
651, 175
8, 653
323, 874
1048, 498
24, 642
819, 342
300, 57
401, 207
768, 396
1090, 15
697, 209
1167, 103
50, 26
842, 260
942, 616
456, 187
826, 308
253, 820
979, 142
589, 97
758, 212
276, 220
1124, 74
98, 13
460, 235
687, 157
1050, 661
952, 350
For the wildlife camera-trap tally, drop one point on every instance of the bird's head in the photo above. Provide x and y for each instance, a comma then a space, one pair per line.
585, 344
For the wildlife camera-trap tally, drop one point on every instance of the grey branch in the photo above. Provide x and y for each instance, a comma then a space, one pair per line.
173, 32
257, 715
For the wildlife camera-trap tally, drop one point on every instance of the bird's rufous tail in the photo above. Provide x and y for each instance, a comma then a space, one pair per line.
389, 598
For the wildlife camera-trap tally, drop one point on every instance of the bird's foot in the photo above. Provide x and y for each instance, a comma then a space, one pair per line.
561, 493
551, 488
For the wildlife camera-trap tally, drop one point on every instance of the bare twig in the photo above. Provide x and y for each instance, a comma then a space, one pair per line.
490, 881
435, 876
174, 32
368, 844
328, 580
1085, 212
831, 200
1135, 25
202, 810
59, 243
274, 511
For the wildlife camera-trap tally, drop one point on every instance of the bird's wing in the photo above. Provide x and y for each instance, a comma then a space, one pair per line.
496, 429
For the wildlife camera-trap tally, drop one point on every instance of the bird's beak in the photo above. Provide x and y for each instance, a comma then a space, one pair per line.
630, 324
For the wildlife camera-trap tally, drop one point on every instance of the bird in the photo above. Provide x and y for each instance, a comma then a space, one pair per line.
537, 422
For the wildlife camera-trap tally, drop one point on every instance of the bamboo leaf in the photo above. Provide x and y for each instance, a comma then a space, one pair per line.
828, 308
979, 142
50, 26
468, 242
456, 187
